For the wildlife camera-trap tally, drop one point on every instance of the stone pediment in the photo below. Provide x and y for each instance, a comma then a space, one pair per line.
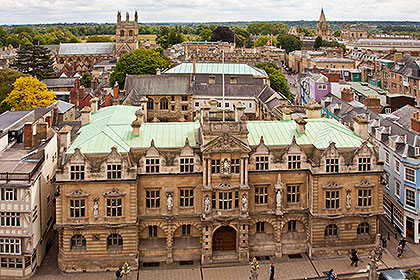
114, 192
77, 156
77, 193
226, 143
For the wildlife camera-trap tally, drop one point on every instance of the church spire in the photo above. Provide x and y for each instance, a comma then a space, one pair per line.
322, 16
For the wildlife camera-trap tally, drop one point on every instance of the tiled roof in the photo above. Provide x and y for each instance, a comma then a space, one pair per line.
111, 126
217, 68
86, 48
59, 82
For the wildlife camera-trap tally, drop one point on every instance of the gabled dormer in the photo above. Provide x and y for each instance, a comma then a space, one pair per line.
151, 162
331, 159
294, 156
77, 166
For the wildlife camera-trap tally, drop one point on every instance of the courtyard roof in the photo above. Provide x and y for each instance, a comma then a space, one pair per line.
216, 68
86, 48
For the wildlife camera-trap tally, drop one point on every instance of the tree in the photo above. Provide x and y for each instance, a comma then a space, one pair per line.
263, 40
35, 61
3, 37
337, 33
412, 275
168, 37
277, 80
205, 34
86, 80
223, 34
138, 62
7, 78
289, 43
267, 28
97, 38
244, 38
29, 92
318, 42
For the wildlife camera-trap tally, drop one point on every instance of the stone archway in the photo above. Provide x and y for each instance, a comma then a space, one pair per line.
224, 239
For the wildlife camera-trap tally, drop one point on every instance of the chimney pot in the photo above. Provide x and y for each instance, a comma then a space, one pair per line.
313, 111
360, 126
94, 104
300, 125
86, 114
28, 135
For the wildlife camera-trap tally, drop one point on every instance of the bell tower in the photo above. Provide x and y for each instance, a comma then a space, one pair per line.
323, 27
126, 34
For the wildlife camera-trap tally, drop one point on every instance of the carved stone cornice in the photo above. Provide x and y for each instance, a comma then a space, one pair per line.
77, 193
114, 192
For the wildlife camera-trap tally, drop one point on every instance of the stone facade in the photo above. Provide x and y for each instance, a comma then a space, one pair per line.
126, 34
228, 195
353, 33
323, 27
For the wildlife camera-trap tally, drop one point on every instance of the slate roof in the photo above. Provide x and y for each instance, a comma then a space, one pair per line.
370, 90
59, 82
111, 126
86, 48
217, 68
138, 86
9, 119
409, 66
404, 115
235, 90
62, 106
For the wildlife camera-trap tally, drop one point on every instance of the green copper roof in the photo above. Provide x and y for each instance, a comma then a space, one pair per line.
111, 126
217, 68
318, 132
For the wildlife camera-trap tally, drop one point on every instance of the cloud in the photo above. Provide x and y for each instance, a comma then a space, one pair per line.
50, 11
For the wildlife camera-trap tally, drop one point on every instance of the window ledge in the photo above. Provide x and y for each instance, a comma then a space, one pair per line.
78, 218
332, 209
363, 207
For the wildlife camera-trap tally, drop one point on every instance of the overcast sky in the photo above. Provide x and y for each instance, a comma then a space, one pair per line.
53, 11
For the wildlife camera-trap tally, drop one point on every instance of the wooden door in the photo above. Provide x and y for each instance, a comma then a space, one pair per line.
224, 239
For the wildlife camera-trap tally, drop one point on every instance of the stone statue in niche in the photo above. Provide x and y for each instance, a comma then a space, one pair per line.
226, 166
207, 205
169, 202
244, 203
279, 195
348, 200
95, 209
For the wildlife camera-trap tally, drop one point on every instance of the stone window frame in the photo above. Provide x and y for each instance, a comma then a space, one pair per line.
15, 262
10, 219
397, 191
114, 242
330, 187
364, 164
78, 243
152, 165
114, 207
291, 226
397, 166
153, 231
113, 171
235, 165
293, 193
164, 103
155, 198
9, 194
331, 231
10, 246
186, 194
186, 164
332, 199
363, 229
387, 158
260, 227
215, 166
294, 162
262, 162
229, 198
77, 171
261, 196
364, 186
332, 165
80, 208
186, 230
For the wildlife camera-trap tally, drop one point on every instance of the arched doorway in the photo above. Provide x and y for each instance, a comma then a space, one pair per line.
224, 239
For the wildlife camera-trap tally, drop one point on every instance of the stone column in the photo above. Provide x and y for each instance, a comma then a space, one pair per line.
242, 171
243, 240
209, 172
169, 249
246, 171
206, 244
205, 172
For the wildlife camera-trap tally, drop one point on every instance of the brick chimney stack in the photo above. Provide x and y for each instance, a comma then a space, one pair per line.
41, 132
373, 103
74, 98
55, 115
94, 83
116, 91
28, 135
107, 100
415, 122
360, 126
82, 92
347, 94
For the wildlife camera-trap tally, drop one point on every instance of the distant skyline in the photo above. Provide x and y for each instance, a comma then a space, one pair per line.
69, 11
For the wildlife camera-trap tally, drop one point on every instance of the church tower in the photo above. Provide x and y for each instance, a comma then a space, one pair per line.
126, 34
323, 27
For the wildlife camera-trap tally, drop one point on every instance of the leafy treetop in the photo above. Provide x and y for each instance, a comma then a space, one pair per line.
35, 61
29, 92
277, 80
7, 78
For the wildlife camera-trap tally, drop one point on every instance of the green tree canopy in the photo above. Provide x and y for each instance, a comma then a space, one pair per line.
267, 28
97, 38
168, 37
35, 61
277, 80
318, 42
7, 78
86, 80
138, 62
244, 38
412, 275
262, 40
289, 43
205, 34
29, 92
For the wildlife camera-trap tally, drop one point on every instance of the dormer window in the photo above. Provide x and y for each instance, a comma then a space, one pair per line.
77, 172
261, 163
113, 171
294, 162
186, 165
332, 165
152, 165
364, 164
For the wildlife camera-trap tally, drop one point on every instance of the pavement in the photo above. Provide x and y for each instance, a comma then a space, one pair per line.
286, 268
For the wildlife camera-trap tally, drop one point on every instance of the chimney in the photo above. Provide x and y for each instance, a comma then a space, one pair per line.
143, 106
136, 124
347, 94
286, 114
116, 91
48, 120
415, 122
398, 56
41, 132
94, 104
107, 100
239, 112
77, 83
28, 135
373, 103
158, 72
360, 126
86, 111
55, 115
194, 67
213, 105
64, 138
300, 125
81, 92
74, 97
313, 111
94, 83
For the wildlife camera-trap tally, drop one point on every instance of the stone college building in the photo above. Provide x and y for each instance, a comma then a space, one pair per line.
218, 189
